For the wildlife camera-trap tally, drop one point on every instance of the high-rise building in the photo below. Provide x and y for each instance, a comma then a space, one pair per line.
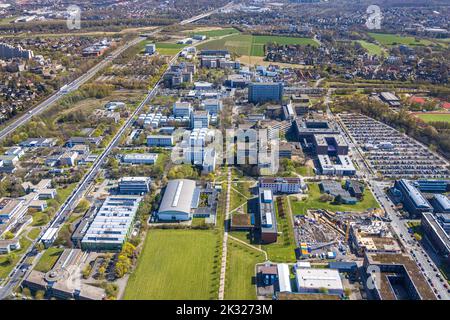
265, 92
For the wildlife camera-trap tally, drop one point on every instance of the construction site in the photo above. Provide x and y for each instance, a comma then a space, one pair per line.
322, 234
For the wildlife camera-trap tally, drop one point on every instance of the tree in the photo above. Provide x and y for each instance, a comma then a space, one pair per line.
8, 235
11, 258
39, 295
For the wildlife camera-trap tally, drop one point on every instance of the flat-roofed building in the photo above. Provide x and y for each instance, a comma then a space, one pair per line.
200, 120
440, 203
395, 271
182, 109
213, 106
413, 201
284, 280
178, 200
11, 209
436, 233
49, 236
140, 158
134, 185
267, 220
259, 92
315, 280
112, 224
282, 185
6, 246
331, 145
160, 141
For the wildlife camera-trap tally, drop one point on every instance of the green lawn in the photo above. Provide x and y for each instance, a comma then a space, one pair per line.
372, 48
34, 233
241, 263
305, 171
283, 249
312, 202
176, 264
168, 49
387, 39
216, 33
434, 117
239, 195
248, 45
48, 259
5, 267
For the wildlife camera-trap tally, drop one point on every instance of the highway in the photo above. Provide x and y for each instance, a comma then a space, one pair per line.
22, 269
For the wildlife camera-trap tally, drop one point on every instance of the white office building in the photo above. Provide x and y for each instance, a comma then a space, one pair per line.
140, 158
159, 141
182, 109
315, 280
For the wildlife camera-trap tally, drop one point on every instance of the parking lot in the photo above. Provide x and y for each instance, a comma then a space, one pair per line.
391, 153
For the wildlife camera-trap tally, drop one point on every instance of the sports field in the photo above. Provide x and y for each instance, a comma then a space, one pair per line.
176, 264
239, 284
249, 45
429, 117
388, 39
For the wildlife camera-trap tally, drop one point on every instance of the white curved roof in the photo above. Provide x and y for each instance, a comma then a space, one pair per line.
178, 196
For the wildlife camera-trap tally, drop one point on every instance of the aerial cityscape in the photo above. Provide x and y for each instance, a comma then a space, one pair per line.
252, 150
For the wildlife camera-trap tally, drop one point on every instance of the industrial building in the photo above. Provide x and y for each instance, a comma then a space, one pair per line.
134, 185
180, 197
283, 185
390, 98
112, 224
315, 280
267, 217
265, 92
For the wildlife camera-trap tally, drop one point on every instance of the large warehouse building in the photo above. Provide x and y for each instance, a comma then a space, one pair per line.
180, 197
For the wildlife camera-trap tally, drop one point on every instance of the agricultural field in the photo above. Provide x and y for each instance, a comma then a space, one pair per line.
372, 48
313, 202
430, 117
240, 273
387, 39
249, 45
172, 262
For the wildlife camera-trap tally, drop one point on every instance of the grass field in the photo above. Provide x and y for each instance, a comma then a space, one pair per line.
216, 33
372, 48
241, 263
312, 202
434, 117
48, 259
167, 48
5, 267
283, 249
387, 39
248, 45
176, 264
